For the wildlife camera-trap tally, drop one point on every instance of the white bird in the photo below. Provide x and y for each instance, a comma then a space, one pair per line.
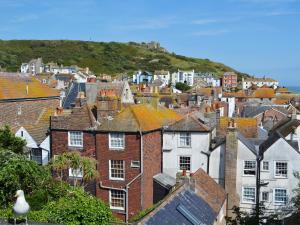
21, 207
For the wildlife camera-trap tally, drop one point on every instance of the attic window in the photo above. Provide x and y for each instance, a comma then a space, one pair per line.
188, 215
19, 111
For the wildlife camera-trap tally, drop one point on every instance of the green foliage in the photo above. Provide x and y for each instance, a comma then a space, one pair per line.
17, 172
110, 58
8, 141
182, 86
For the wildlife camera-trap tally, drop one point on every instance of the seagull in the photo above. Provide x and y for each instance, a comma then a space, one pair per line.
21, 207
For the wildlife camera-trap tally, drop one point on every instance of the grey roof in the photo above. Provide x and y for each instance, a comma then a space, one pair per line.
252, 111
185, 207
165, 180
72, 94
189, 123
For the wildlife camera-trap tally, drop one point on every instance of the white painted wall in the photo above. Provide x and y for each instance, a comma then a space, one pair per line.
231, 105
172, 152
217, 164
30, 142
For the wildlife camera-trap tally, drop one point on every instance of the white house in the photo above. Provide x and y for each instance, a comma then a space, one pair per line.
37, 144
231, 105
162, 75
185, 146
234, 165
248, 82
182, 76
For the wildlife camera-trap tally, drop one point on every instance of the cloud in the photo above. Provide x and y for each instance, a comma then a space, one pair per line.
211, 32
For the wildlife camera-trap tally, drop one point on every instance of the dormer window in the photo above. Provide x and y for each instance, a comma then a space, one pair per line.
19, 110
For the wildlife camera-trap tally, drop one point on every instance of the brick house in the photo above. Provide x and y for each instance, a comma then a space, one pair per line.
127, 144
229, 80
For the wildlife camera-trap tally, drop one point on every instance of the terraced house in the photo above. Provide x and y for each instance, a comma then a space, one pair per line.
126, 142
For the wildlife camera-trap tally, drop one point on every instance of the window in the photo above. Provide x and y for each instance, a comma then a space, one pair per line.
19, 111
265, 196
36, 155
76, 173
185, 140
265, 166
249, 168
185, 163
116, 170
116, 140
249, 194
281, 169
135, 164
117, 199
280, 196
75, 138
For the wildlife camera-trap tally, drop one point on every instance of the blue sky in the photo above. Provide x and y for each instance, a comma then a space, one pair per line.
259, 37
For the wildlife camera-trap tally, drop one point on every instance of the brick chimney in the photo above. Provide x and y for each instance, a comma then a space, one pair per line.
108, 104
231, 166
80, 99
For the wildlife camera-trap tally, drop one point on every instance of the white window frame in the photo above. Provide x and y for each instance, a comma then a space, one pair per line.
185, 135
244, 163
287, 170
79, 175
111, 139
243, 199
262, 166
110, 174
179, 169
135, 164
69, 139
110, 200
274, 196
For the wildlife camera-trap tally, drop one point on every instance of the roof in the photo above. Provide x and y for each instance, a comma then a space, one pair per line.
258, 79
38, 131
16, 86
183, 207
189, 123
141, 117
253, 111
264, 93
286, 126
209, 190
72, 94
198, 201
161, 72
165, 180
246, 126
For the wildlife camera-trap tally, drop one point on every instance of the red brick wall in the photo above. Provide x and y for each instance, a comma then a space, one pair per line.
131, 152
152, 165
31, 111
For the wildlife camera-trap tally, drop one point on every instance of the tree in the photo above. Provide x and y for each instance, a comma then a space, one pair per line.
182, 86
9, 141
78, 164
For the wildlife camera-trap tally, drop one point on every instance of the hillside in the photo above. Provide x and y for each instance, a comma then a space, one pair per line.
110, 58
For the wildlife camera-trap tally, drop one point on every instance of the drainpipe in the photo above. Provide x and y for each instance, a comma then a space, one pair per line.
259, 158
207, 154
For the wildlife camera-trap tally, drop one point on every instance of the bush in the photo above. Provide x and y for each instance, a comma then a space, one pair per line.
182, 86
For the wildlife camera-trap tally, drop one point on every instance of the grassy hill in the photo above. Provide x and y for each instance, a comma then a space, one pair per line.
110, 58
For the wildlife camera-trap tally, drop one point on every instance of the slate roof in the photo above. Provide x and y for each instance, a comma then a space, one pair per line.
286, 126
64, 77
176, 209
253, 111
15, 87
165, 180
189, 124
72, 94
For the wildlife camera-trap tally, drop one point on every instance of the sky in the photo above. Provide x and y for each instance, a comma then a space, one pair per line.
258, 37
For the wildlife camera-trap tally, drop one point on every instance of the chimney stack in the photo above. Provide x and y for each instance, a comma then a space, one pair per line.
80, 100
108, 104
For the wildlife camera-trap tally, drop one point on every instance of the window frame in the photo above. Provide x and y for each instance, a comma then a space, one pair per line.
79, 176
243, 198
274, 196
110, 172
111, 147
69, 139
186, 156
275, 170
133, 165
110, 200
249, 175
262, 194
262, 166
186, 136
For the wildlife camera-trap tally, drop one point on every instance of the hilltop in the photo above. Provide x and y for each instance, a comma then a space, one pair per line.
102, 57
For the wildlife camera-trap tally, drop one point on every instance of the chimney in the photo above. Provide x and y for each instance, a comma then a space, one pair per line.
80, 100
230, 169
59, 111
108, 104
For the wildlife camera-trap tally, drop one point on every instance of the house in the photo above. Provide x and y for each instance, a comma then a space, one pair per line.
182, 76
197, 200
185, 146
142, 77
249, 82
23, 99
37, 137
229, 80
34, 66
211, 80
120, 88
163, 76
237, 167
124, 141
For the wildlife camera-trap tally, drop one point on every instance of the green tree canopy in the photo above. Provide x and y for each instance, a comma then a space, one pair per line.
8, 141
182, 86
